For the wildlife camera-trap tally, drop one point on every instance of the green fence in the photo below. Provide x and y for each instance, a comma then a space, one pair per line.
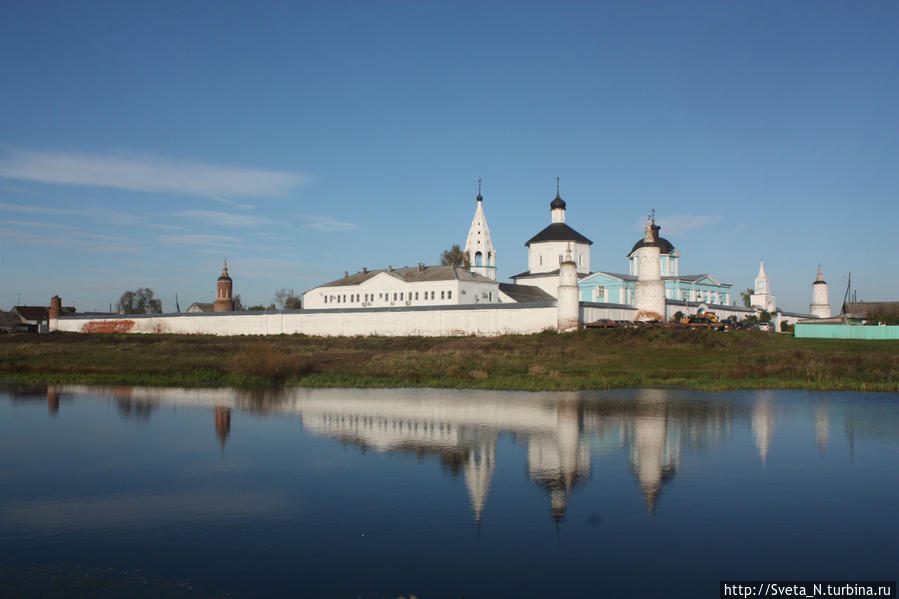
846, 331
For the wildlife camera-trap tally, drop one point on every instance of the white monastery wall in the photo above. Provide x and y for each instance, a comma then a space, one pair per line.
591, 312
439, 321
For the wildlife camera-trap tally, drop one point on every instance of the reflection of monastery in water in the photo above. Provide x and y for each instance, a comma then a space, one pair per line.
563, 432
462, 429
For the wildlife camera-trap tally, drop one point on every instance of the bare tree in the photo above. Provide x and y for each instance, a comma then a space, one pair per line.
286, 299
139, 302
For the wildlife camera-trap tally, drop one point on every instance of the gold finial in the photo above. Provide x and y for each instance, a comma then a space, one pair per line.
225, 268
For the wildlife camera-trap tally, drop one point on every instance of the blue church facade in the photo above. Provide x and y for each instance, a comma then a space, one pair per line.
617, 288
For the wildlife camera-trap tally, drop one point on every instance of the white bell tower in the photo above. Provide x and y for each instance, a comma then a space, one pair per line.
479, 246
763, 298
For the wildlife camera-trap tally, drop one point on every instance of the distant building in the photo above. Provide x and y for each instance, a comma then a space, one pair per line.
200, 307
224, 300
8, 322
418, 286
32, 318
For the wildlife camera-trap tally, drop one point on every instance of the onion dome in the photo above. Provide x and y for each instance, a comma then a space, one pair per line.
557, 203
224, 276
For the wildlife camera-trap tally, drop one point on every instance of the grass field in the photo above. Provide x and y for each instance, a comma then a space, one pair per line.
589, 359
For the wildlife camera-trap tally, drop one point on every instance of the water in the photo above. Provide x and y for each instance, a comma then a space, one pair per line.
435, 493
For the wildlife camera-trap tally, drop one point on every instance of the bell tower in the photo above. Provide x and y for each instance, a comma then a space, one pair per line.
479, 245
224, 301
763, 298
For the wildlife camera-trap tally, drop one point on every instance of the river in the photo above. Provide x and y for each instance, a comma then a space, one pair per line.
393, 493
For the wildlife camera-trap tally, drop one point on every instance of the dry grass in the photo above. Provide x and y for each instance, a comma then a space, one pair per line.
582, 360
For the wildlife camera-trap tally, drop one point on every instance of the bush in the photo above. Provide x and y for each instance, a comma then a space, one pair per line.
264, 360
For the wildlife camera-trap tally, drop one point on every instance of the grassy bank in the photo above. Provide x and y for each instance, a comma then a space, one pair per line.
590, 359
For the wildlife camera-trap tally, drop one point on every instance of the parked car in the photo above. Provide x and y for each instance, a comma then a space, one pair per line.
604, 323
766, 326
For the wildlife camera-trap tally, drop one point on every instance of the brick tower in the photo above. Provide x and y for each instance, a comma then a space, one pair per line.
223, 299
54, 312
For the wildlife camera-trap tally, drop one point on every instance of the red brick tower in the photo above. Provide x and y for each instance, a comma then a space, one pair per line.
53, 315
223, 300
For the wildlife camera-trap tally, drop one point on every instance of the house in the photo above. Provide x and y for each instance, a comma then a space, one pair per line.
200, 307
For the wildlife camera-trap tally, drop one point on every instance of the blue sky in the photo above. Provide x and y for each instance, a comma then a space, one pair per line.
142, 143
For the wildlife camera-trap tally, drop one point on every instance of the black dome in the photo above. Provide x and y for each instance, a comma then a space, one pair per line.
557, 203
665, 246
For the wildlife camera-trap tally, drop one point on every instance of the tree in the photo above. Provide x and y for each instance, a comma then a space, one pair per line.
745, 295
260, 308
287, 299
238, 304
139, 302
455, 256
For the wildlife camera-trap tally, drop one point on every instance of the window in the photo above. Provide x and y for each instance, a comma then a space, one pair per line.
478, 257
560, 258
580, 260
416, 295
394, 296
600, 291
326, 299
540, 257
441, 295
401, 296
449, 295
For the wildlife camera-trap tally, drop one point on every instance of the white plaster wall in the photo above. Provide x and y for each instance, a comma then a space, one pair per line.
470, 321
551, 250
549, 284
592, 313
387, 284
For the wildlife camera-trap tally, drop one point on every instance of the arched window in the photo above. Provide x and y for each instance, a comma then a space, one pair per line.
477, 259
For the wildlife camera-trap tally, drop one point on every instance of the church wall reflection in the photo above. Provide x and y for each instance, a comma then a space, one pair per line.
561, 431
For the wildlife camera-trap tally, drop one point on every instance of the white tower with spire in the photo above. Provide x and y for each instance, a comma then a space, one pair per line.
479, 245
763, 298
820, 306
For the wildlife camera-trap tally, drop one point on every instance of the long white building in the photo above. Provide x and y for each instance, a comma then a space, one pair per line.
418, 286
